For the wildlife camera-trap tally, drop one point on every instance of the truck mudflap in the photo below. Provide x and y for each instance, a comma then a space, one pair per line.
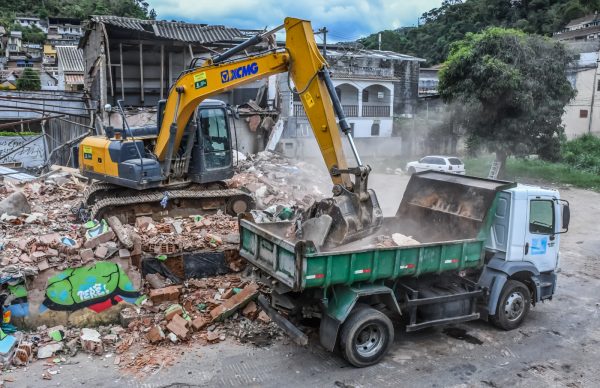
340, 302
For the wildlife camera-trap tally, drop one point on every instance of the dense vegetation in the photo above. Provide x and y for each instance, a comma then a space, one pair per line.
455, 18
80, 9
29, 80
515, 88
583, 154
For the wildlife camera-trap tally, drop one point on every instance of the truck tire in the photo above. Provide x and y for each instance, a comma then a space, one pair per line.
513, 306
366, 336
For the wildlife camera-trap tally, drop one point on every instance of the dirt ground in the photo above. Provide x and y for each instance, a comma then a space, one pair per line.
558, 345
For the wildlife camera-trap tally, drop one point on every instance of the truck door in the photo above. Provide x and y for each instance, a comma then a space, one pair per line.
541, 240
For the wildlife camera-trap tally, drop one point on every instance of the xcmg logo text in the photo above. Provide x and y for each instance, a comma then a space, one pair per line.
240, 72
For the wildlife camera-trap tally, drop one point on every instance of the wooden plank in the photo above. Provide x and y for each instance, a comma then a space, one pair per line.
121, 71
141, 74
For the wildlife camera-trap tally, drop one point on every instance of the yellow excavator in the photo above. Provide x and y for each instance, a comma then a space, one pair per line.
179, 167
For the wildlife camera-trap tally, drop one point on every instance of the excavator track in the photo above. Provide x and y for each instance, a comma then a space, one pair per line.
173, 202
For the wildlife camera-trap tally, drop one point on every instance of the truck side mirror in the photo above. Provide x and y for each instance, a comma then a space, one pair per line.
566, 215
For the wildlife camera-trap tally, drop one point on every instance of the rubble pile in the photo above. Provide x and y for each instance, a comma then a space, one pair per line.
276, 180
43, 236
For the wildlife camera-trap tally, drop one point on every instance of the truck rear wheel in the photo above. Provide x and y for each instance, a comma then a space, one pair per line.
366, 336
513, 306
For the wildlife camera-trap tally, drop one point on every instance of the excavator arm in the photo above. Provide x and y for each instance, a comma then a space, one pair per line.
353, 211
300, 58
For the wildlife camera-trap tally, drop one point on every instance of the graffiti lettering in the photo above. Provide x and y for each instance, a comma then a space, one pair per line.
32, 154
95, 291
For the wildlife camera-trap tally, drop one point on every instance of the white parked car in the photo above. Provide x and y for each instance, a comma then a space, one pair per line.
437, 163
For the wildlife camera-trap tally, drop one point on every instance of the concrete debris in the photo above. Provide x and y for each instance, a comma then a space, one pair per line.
50, 350
91, 341
15, 204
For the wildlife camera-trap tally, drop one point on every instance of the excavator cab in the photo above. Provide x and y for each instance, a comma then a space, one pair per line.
212, 158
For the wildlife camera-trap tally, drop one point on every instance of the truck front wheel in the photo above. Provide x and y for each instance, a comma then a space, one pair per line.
513, 305
366, 336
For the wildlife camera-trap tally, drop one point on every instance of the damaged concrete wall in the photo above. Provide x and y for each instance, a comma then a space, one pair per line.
30, 150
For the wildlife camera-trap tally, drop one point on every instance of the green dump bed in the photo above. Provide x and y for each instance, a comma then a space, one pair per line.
449, 215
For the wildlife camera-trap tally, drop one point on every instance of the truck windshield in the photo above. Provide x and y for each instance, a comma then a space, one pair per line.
541, 217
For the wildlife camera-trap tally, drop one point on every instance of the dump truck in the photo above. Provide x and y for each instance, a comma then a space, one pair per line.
479, 248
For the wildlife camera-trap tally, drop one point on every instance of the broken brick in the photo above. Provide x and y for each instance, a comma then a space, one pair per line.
101, 252
142, 223
228, 294
172, 311
199, 323
250, 311
43, 265
86, 254
156, 334
212, 336
263, 317
91, 342
235, 302
165, 294
124, 253
178, 329
178, 319
49, 239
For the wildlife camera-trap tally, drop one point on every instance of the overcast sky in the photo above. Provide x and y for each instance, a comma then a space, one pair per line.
346, 19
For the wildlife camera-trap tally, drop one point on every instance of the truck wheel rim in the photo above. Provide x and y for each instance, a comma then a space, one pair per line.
369, 341
514, 306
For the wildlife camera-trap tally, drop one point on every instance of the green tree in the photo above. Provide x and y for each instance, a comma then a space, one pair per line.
514, 90
29, 80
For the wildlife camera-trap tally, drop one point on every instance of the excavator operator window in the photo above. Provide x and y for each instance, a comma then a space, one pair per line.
215, 139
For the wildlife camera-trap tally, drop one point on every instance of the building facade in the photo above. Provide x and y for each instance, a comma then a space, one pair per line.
375, 88
582, 113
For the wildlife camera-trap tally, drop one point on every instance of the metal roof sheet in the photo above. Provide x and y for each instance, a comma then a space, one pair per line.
186, 32
70, 59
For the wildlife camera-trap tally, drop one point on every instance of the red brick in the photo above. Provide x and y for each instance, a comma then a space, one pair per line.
199, 323
263, 317
235, 302
86, 254
166, 294
228, 294
101, 252
49, 239
251, 310
178, 319
179, 330
156, 334
172, 311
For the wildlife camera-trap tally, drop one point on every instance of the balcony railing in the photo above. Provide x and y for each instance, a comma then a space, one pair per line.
368, 72
375, 111
349, 110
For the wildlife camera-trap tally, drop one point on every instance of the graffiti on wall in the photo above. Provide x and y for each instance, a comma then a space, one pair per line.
30, 154
96, 287
17, 302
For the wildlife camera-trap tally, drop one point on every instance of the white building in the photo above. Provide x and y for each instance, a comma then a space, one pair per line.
374, 87
582, 113
29, 21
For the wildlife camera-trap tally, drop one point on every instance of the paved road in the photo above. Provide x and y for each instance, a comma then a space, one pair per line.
559, 344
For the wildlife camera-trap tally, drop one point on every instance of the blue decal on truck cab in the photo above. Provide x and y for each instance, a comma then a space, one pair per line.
539, 245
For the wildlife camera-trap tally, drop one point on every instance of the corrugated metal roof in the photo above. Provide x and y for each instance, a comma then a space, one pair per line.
186, 32
70, 59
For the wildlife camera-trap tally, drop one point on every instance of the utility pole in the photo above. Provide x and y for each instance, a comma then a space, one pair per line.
324, 31
594, 91
379, 40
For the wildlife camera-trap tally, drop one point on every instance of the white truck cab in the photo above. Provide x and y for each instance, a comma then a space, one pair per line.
522, 252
